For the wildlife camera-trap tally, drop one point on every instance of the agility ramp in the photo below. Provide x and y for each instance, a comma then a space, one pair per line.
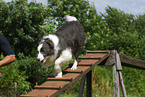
54, 86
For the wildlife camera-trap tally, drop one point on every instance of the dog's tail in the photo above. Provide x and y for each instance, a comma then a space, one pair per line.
70, 18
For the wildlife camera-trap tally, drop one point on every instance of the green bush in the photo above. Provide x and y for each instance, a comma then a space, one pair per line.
21, 23
13, 81
134, 81
34, 70
22, 75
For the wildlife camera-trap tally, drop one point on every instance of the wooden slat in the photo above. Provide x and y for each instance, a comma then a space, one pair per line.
32, 95
66, 77
81, 64
80, 69
59, 79
41, 92
94, 55
87, 62
70, 75
90, 56
47, 87
101, 51
55, 83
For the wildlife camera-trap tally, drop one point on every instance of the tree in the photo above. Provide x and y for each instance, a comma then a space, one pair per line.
84, 12
21, 24
139, 24
119, 20
81, 9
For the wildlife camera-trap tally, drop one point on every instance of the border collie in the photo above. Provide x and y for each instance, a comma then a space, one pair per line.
60, 47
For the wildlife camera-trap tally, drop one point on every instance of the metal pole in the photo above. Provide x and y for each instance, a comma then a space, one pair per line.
82, 86
89, 84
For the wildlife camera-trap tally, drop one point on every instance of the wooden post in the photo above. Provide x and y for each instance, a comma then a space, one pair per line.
89, 84
82, 86
115, 82
115, 76
118, 70
122, 85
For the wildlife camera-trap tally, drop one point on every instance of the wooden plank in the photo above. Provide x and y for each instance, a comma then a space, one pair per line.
87, 62
32, 96
48, 87
82, 64
59, 79
90, 56
66, 77
41, 92
55, 83
80, 69
94, 55
99, 51
132, 62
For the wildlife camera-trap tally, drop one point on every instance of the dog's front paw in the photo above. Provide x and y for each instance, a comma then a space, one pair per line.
59, 75
73, 68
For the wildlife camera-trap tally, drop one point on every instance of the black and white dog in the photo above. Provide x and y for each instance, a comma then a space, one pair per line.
60, 47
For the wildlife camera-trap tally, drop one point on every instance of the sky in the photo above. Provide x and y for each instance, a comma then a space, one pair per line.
128, 6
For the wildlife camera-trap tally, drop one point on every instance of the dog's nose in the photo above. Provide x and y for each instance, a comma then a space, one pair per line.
38, 59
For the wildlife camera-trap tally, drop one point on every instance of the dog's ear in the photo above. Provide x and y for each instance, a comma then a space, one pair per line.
50, 43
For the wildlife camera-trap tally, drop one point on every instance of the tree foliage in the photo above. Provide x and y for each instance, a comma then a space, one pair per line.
20, 23
139, 24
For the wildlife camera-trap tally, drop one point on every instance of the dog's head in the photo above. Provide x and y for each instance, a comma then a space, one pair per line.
45, 49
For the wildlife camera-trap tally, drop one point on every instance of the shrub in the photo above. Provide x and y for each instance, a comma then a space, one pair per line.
34, 70
13, 81
21, 23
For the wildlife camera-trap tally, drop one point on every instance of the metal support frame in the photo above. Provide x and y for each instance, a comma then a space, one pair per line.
89, 84
88, 78
82, 86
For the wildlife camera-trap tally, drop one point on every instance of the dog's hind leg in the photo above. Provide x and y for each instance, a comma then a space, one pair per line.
74, 67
